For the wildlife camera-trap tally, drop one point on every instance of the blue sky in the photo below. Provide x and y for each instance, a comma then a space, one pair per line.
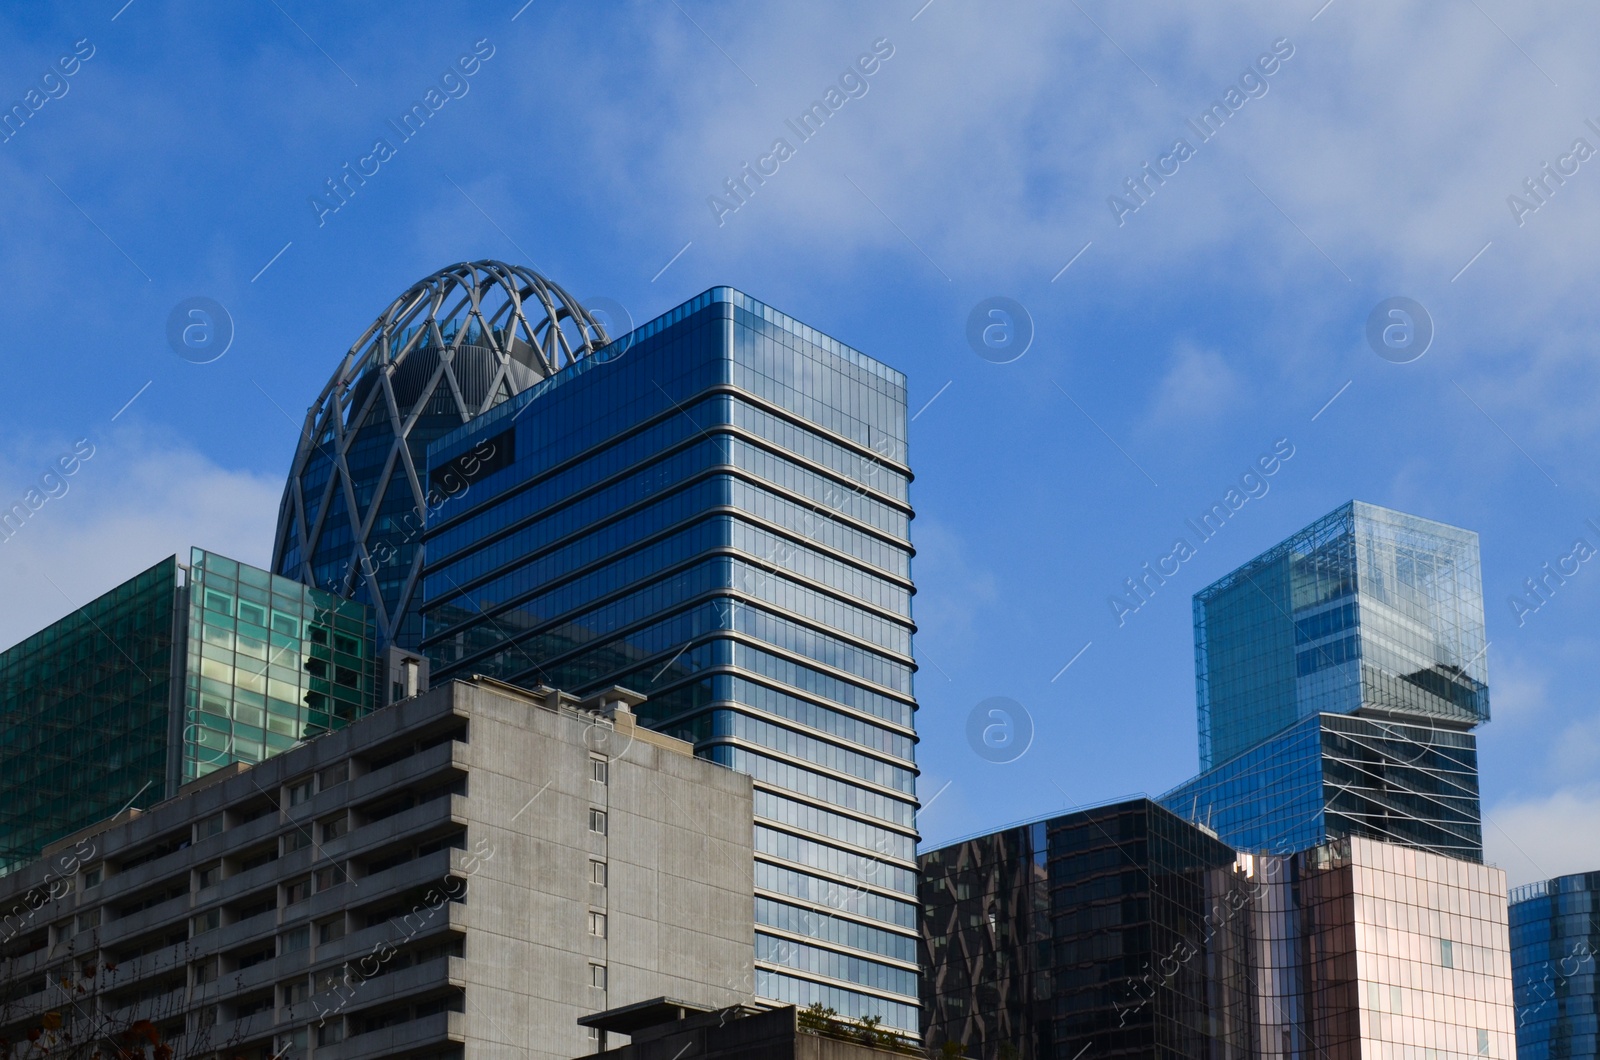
1186, 338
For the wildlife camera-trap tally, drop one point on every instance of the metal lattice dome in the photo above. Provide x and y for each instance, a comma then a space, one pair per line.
450, 348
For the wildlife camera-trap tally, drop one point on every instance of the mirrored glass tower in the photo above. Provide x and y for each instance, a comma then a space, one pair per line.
713, 511
1339, 676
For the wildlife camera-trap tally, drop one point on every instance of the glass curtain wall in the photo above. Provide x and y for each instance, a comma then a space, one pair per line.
713, 511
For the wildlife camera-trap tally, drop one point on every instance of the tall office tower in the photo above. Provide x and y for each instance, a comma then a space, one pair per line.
713, 511
177, 672
454, 345
1555, 940
1115, 931
1339, 676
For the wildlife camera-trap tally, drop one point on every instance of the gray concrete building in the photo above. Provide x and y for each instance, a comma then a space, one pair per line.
463, 874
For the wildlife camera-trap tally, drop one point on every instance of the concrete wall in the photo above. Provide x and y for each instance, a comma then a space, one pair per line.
474, 905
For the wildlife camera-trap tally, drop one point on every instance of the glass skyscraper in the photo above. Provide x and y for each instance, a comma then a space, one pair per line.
713, 511
1339, 675
1341, 775
173, 674
1366, 610
1555, 939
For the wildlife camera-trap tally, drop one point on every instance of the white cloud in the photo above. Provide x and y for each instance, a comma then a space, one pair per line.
1540, 838
1198, 384
137, 500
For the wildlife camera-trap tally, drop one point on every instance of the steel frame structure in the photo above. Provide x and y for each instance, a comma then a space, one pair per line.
508, 326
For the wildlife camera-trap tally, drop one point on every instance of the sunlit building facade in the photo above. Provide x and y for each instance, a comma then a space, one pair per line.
1363, 950
713, 511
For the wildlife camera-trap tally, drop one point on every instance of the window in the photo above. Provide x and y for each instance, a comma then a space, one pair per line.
1483, 1042
300, 791
297, 890
296, 992
89, 919
205, 972
334, 775
209, 827
597, 924
210, 920
599, 769
597, 821
329, 878
93, 877
297, 939
597, 872
597, 975
330, 930
330, 1033
334, 827
298, 839
208, 876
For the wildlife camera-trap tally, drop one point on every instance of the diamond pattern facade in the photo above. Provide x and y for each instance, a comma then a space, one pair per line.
450, 348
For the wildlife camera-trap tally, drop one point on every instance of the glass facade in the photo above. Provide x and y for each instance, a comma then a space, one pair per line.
1366, 610
1116, 931
713, 511
270, 662
84, 712
1555, 936
1365, 949
1127, 931
95, 720
1332, 776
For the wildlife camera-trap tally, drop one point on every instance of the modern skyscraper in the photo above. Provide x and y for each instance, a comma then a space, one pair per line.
177, 672
1114, 931
1334, 775
1339, 675
1555, 942
454, 345
713, 510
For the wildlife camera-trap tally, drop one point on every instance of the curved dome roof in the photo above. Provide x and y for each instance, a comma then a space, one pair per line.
452, 346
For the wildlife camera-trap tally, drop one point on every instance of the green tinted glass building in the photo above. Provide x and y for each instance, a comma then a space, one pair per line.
85, 709
173, 674
269, 662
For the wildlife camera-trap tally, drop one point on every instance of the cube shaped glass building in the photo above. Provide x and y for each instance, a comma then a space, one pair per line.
712, 511
1366, 610
177, 672
1339, 676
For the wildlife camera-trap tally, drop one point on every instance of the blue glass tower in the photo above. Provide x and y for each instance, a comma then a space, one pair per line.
713, 511
1555, 936
1339, 675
